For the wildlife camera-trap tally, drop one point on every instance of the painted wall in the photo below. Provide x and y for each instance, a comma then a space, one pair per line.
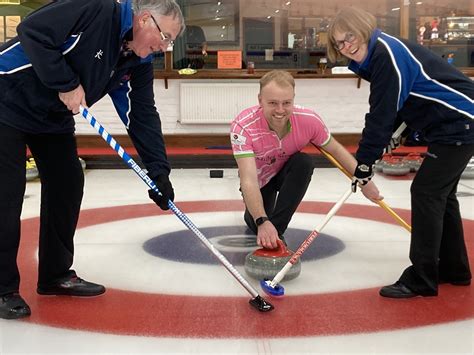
339, 102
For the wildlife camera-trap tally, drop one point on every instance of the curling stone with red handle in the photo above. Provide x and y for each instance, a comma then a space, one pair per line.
266, 263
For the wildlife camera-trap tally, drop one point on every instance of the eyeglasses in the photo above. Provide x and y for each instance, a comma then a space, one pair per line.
349, 38
164, 37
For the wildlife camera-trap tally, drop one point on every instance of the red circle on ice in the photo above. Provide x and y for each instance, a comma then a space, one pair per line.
162, 315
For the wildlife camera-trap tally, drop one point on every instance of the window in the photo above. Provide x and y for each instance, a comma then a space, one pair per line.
8, 26
273, 34
209, 24
446, 27
11, 22
292, 34
12, 12
2, 29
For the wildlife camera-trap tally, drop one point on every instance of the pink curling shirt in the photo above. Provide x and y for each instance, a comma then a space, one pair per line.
251, 136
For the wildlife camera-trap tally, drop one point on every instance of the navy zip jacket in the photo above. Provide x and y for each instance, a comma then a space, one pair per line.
70, 42
412, 84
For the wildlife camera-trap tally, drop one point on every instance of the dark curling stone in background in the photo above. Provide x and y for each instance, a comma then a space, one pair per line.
396, 166
414, 161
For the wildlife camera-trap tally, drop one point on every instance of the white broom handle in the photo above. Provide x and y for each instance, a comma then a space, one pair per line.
306, 243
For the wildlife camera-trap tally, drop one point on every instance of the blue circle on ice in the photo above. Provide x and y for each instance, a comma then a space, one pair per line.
234, 242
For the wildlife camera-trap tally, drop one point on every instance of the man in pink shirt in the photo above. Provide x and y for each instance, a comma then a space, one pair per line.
267, 141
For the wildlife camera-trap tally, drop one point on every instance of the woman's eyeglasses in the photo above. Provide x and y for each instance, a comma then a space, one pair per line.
349, 38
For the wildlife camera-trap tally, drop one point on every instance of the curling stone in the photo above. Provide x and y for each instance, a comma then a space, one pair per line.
396, 167
468, 172
31, 170
83, 163
379, 164
414, 161
266, 263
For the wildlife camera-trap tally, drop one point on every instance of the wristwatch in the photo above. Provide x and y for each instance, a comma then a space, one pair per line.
260, 220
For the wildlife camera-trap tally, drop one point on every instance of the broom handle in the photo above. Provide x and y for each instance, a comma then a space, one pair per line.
306, 243
178, 213
380, 202
399, 130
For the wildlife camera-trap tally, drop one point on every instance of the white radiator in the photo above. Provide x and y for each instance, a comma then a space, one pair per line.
208, 103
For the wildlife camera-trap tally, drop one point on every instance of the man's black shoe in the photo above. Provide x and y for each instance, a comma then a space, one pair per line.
12, 306
397, 290
71, 286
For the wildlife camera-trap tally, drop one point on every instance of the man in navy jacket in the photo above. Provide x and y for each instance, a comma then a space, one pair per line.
70, 53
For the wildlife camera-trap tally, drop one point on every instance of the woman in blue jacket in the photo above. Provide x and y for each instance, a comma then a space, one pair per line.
70, 53
411, 84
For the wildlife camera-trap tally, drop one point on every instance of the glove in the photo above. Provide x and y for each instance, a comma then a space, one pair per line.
393, 144
362, 175
166, 191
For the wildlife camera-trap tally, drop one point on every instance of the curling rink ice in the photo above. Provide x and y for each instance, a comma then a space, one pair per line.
168, 294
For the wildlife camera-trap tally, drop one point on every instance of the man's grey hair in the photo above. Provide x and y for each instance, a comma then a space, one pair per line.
160, 8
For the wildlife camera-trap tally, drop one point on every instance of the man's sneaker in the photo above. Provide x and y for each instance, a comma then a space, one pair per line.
12, 306
71, 286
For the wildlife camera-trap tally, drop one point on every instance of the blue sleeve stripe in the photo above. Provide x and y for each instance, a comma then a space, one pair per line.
397, 69
460, 107
15, 69
13, 59
428, 88
121, 100
70, 43
445, 95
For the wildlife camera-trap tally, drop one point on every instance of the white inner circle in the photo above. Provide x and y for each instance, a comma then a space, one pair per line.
112, 254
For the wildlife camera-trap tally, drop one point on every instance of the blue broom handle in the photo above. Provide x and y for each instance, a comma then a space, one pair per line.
187, 222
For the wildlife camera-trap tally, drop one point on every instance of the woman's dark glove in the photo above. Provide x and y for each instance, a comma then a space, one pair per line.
166, 189
362, 175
